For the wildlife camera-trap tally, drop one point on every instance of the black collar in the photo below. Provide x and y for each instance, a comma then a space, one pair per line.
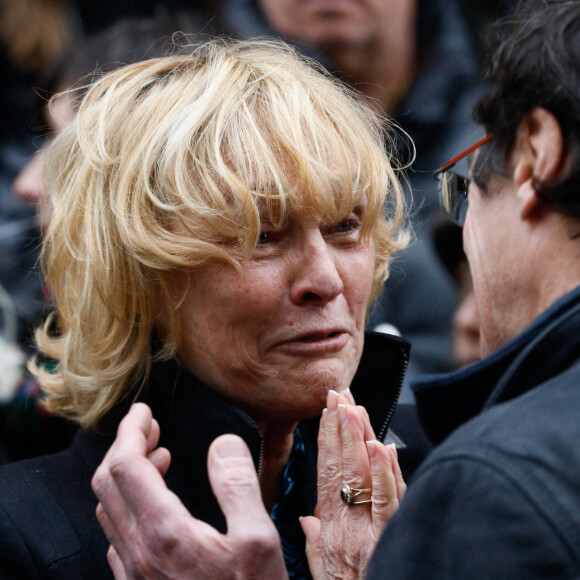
546, 348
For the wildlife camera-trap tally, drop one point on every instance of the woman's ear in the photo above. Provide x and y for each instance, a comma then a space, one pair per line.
539, 155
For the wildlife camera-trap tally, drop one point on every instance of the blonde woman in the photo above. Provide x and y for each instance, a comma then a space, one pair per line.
221, 223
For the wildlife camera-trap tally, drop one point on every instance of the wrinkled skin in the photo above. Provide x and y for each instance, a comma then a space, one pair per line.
152, 533
341, 540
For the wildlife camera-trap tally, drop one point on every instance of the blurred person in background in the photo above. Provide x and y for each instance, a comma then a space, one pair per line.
447, 240
127, 41
416, 61
26, 427
33, 35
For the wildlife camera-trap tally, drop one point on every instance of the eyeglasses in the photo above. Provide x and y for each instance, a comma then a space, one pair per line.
453, 187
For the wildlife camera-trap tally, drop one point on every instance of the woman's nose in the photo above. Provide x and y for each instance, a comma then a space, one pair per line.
317, 278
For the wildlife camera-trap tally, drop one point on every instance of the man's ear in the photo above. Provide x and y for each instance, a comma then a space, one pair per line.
539, 155
547, 142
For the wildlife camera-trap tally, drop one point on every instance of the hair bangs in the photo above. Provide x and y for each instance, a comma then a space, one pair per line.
278, 146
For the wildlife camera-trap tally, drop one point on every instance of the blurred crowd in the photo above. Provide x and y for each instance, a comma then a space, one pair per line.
417, 61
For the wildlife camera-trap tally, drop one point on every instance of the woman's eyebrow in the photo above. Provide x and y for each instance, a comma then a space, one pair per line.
360, 206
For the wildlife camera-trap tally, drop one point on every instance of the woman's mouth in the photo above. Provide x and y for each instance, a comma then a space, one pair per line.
313, 337
316, 342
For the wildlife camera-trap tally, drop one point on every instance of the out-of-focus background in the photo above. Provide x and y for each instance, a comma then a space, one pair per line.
417, 61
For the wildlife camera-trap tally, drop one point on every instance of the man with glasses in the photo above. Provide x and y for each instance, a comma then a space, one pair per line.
453, 186
500, 495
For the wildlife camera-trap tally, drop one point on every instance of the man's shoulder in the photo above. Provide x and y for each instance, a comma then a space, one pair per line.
536, 420
507, 479
531, 438
466, 514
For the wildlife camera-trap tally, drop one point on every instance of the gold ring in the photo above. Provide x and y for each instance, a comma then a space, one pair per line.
348, 494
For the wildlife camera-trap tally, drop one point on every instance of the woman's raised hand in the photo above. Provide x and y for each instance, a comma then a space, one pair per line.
341, 539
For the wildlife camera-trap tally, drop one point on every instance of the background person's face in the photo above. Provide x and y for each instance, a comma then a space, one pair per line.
328, 22
465, 324
30, 183
275, 336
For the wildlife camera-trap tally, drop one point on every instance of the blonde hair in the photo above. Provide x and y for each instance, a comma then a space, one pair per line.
167, 164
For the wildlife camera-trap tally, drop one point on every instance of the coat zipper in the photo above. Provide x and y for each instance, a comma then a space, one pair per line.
384, 428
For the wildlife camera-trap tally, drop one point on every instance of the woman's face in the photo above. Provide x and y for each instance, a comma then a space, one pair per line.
276, 335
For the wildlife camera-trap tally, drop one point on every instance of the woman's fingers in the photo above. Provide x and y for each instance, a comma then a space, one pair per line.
401, 485
369, 431
116, 564
342, 453
340, 543
329, 456
348, 396
385, 485
311, 528
355, 461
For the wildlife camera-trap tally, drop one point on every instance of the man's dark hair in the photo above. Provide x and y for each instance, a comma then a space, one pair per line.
536, 64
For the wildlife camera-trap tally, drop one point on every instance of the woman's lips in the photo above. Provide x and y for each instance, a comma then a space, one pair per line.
316, 342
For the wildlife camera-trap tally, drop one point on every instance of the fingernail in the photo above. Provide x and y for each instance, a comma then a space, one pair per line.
342, 411
227, 446
371, 448
332, 400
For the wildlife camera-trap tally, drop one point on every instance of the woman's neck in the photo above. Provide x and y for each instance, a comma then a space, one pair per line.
277, 446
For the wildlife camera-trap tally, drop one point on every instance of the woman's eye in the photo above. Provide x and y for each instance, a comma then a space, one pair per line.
344, 227
270, 236
350, 225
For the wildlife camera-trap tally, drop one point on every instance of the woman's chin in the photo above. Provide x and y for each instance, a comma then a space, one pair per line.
325, 376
